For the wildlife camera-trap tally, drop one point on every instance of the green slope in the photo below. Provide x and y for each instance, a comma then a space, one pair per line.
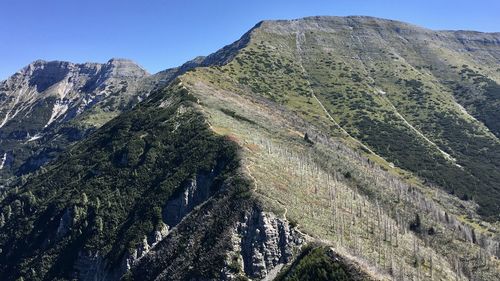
319, 264
384, 84
112, 186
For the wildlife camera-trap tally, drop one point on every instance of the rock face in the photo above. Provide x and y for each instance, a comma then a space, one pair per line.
195, 192
192, 194
65, 89
143, 249
91, 266
264, 243
64, 224
63, 100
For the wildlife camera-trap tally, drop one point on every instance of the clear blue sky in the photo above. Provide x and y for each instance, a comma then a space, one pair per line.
161, 34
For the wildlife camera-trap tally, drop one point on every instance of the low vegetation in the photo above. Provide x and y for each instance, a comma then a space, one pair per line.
105, 194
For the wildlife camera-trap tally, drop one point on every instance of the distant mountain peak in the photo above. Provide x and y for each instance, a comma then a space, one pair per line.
119, 67
125, 68
45, 94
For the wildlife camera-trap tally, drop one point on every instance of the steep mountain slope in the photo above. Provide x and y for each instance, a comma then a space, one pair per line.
269, 73
282, 139
122, 191
48, 105
393, 87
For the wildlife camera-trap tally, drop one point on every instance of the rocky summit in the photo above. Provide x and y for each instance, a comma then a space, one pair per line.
57, 102
322, 148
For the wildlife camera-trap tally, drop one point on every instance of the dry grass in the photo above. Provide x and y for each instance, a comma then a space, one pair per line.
364, 216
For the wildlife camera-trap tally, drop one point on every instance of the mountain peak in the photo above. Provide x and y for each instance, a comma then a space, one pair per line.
43, 64
337, 23
361, 21
120, 60
118, 66
121, 67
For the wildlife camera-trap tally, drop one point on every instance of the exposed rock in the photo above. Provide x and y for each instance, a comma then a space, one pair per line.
3, 160
43, 97
262, 243
91, 266
194, 192
57, 84
147, 244
64, 224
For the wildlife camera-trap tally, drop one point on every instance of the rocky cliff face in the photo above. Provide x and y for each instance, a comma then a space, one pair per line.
65, 89
194, 192
262, 244
247, 243
47, 105
259, 244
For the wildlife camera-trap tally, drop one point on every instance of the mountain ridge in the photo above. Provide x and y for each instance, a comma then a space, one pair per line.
364, 19
298, 134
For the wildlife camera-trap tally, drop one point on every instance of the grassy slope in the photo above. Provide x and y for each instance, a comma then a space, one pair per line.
386, 91
303, 178
412, 93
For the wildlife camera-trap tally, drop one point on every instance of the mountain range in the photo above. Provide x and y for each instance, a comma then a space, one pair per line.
322, 148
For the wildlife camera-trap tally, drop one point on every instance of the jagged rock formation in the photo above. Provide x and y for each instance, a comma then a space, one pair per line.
66, 90
60, 102
193, 193
265, 243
